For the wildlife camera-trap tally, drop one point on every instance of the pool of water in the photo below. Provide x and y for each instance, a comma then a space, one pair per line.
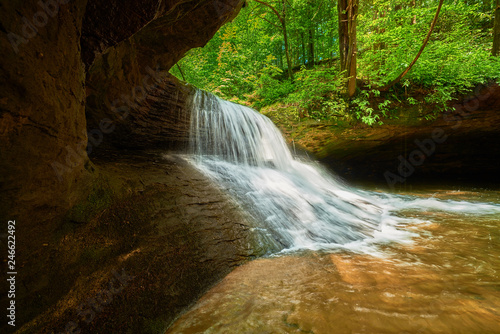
444, 278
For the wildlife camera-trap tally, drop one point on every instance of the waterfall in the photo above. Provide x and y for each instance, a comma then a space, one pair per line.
236, 134
298, 203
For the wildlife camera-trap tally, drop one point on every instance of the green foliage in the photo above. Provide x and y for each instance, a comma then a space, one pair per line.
270, 89
456, 58
287, 114
363, 110
246, 61
318, 92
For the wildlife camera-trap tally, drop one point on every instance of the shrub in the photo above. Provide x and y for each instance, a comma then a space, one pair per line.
318, 93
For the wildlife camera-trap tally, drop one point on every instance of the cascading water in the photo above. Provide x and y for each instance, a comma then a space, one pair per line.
300, 205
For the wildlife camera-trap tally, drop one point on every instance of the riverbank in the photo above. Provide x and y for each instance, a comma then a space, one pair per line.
458, 147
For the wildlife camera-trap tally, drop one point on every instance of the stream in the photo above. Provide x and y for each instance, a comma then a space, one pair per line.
340, 259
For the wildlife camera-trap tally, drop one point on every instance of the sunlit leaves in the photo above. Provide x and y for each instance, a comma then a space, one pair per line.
245, 60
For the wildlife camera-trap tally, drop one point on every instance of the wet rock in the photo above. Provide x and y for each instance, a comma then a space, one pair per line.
45, 88
166, 226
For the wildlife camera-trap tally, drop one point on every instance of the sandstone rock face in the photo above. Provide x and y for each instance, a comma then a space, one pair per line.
42, 121
171, 230
158, 119
106, 23
461, 147
129, 77
43, 130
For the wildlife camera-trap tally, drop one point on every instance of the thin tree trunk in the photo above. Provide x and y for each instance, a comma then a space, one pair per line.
182, 74
348, 11
282, 19
496, 31
311, 47
304, 60
414, 5
285, 36
395, 81
379, 45
353, 48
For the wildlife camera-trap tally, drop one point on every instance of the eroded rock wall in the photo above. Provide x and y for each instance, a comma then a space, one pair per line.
42, 120
460, 148
125, 83
127, 48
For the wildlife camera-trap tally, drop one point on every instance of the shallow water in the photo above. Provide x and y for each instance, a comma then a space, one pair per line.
444, 279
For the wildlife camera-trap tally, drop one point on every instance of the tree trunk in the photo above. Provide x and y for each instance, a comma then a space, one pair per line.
496, 31
285, 37
180, 71
348, 12
353, 48
304, 59
282, 18
343, 34
379, 45
414, 5
311, 48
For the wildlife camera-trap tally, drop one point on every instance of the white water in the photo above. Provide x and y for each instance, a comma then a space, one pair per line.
300, 205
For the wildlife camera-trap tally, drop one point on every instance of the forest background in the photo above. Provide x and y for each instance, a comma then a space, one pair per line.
342, 61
